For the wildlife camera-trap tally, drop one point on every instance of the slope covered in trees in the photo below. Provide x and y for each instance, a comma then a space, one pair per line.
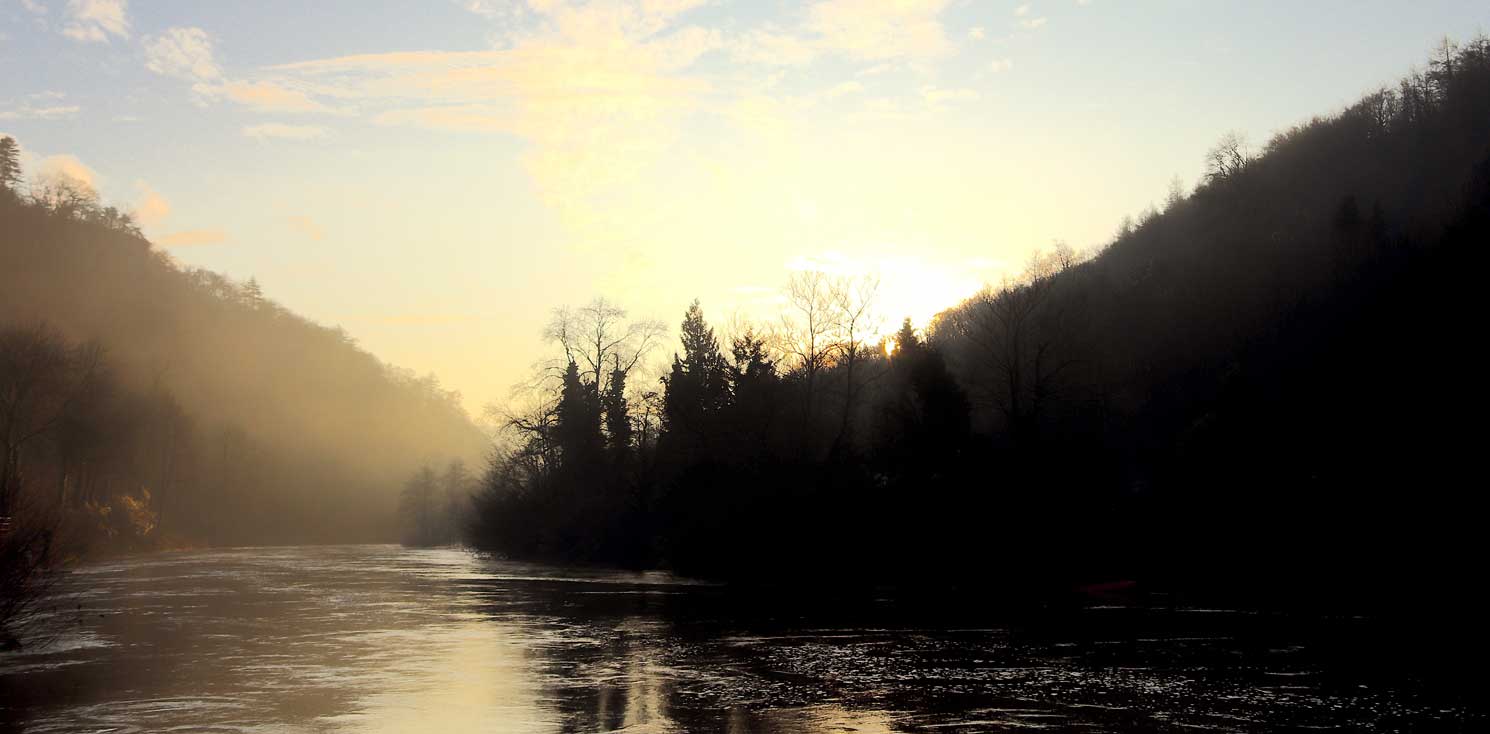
1260, 390
222, 417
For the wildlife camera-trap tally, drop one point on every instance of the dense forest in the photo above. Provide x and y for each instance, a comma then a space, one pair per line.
143, 403
1260, 389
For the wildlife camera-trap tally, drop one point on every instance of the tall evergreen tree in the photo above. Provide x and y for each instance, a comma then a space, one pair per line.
907, 344
698, 385
578, 422
752, 360
617, 417
10, 163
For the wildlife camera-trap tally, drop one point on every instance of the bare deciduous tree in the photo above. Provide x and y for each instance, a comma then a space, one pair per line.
807, 330
854, 300
1018, 335
1227, 158
599, 338
42, 378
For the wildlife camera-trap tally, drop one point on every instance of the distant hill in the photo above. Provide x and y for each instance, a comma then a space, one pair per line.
1267, 391
1269, 383
274, 428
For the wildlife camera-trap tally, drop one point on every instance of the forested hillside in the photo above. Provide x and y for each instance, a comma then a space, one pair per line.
1263, 390
219, 416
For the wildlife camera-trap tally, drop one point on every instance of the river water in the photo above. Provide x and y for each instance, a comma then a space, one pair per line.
385, 639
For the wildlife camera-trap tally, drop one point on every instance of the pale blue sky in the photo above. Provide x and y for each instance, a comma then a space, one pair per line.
435, 176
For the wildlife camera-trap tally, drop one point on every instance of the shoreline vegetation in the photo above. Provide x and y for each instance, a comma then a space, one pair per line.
147, 405
1250, 393
1253, 391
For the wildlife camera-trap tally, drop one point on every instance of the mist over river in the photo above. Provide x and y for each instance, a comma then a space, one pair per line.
385, 639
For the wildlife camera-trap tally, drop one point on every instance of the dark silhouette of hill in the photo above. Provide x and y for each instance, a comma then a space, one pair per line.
1264, 391
244, 422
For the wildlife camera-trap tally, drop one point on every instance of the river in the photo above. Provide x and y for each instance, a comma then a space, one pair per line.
385, 639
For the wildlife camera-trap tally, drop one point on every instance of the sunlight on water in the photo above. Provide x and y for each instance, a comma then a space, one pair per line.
384, 640
467, 677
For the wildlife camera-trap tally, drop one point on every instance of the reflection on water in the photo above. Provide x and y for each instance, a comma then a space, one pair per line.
381, 639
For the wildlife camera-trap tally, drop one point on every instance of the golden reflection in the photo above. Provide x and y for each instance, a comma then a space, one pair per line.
473, 676
469, 671
810, 720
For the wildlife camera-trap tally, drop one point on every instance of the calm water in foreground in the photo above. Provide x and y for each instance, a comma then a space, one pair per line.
382, 639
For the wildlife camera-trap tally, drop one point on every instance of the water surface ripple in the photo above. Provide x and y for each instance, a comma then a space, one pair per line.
385, 639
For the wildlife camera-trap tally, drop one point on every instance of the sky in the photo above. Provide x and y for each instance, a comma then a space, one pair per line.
437, 176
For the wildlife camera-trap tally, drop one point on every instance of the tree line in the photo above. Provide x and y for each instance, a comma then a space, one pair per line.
1251, 390
434, 506
144, 404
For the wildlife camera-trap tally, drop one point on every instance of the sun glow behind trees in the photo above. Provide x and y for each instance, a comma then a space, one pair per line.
521, 154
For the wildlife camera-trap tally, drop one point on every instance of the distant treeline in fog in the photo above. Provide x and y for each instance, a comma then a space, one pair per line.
1263, 387
141, 400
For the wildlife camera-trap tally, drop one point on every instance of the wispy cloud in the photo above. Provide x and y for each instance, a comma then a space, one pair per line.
151, 209
268, 96
40, 106
66, 168
307, 227
284, 132
490, 9
187, 53
601, 92
845, 88
33, 112
937, 96
422, 319
1025, 19
192, 238
598, 89
183, 53
872, 30
94, 21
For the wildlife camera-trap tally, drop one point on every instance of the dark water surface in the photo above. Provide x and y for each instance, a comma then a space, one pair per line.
383, 639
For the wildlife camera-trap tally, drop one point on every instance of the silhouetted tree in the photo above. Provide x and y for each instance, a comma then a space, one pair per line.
1227, 158
755, 386
807, 333
697, 388
617, 414
855, 319
10, 164
1017, 333
265, 428
599, 336
577, 422
42, 380
458, 486
1175, 195
253, 294
419, 508
1205, 404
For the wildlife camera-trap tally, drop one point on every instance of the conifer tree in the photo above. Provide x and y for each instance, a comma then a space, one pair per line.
10, 163
578, 422
617, 418
698, 385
